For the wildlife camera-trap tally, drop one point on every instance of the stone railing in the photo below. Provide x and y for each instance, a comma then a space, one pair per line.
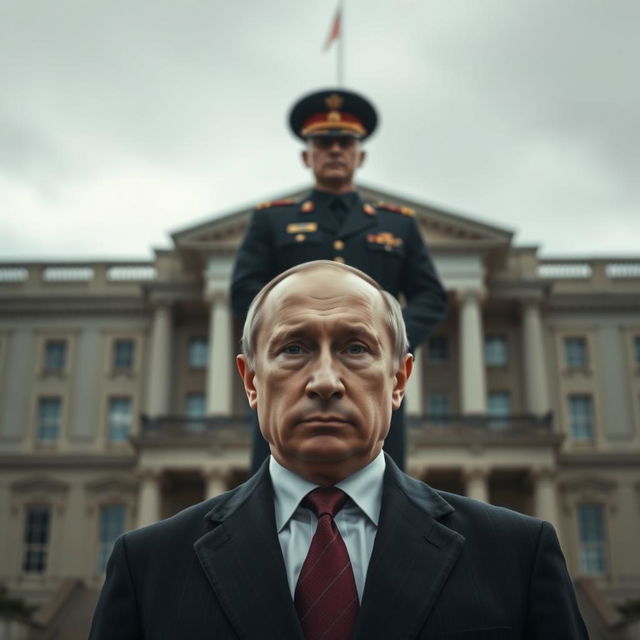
589, 269
180, 428
36, 274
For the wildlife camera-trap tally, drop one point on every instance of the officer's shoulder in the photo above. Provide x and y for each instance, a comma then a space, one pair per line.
274, 204
395, 208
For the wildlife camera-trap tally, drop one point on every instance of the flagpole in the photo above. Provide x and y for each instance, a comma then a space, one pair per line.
340, 48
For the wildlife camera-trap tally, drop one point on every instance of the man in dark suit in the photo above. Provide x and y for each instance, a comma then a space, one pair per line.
334, 223
329, 539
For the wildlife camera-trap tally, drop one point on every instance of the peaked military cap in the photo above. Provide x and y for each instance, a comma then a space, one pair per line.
333, 112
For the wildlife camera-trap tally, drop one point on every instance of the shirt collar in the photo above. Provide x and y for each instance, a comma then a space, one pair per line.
364, 487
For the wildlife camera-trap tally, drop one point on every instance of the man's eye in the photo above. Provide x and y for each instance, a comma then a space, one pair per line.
354, 349
292, 349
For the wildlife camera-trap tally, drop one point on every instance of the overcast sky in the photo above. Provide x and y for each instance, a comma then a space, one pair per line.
121, 122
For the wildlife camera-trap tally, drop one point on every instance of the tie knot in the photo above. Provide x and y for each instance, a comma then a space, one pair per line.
325, 500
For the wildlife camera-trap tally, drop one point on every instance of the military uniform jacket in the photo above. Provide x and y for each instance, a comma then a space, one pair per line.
382, 240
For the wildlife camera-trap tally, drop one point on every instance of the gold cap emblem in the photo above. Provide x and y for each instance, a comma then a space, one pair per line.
334, 102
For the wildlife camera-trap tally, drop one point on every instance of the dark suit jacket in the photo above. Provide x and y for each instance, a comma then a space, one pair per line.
442, 567
285, 235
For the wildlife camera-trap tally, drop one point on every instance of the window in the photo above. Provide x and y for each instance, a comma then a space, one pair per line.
197, 353
575, 353
49, 415
591, 536
111, 524
55, 355
36, 538
438, 349
499, 409
438, 407
196, 407
581, 417
495, 351
123, 352
119, 419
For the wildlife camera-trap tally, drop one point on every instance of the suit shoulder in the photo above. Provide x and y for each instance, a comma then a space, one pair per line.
478, 512
395, 208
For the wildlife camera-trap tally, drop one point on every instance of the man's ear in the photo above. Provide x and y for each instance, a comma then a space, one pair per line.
362, 158
305, 158
247, 374
400, 380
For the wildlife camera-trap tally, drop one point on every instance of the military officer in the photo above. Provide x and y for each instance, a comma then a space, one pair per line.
333, 222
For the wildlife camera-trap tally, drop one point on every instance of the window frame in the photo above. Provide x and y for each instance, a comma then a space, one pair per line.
116, 367
112, 424
40, 548
105, 547
40, 419
489, 352
574, 425
583, 362
444, 348
586, 548
198, 363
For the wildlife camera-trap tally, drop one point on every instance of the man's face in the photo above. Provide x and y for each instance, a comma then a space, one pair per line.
333, 159
325, 378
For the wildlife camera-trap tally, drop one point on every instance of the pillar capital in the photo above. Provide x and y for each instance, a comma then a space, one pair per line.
214, 293
463, 295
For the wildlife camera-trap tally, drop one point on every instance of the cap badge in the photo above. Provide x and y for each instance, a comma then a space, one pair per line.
334, 102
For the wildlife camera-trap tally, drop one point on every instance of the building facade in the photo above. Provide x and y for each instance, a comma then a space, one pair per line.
119, 403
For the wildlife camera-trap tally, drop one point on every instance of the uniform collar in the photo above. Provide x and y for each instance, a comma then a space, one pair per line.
351, 199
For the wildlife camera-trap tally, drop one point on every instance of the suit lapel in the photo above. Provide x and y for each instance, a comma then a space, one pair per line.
243, 562
411, 560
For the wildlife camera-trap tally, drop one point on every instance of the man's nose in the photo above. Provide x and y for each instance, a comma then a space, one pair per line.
324, 380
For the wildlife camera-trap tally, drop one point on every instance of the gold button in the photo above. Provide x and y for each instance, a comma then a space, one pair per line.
338, 245
339, 259
300, 237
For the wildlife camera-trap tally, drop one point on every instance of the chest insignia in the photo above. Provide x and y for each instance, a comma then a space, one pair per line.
370, 210
302, 227
307, 206
386, 239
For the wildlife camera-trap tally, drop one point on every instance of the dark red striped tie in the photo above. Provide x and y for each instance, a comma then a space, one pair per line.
326, 597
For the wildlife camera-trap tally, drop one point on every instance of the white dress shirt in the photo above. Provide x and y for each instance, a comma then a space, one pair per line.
357, 521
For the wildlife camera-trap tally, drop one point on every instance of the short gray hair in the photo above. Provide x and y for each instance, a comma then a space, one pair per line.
394, 318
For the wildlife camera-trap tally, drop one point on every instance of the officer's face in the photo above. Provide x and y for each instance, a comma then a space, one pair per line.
333, 159
325, 378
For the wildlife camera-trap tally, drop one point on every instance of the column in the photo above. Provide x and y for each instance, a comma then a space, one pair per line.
473, 385
545, 496
159, 362
215, 482
414, 398
219, 370
477, 487
535, 371
149, 497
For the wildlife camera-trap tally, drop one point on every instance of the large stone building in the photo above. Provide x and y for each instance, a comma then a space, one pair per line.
119, 404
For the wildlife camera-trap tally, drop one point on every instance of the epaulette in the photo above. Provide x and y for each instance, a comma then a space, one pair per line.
275, 203
394, 208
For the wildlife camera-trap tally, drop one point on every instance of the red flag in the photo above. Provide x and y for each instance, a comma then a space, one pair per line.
334, 34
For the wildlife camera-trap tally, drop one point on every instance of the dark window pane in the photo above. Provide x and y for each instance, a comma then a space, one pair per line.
55, 352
